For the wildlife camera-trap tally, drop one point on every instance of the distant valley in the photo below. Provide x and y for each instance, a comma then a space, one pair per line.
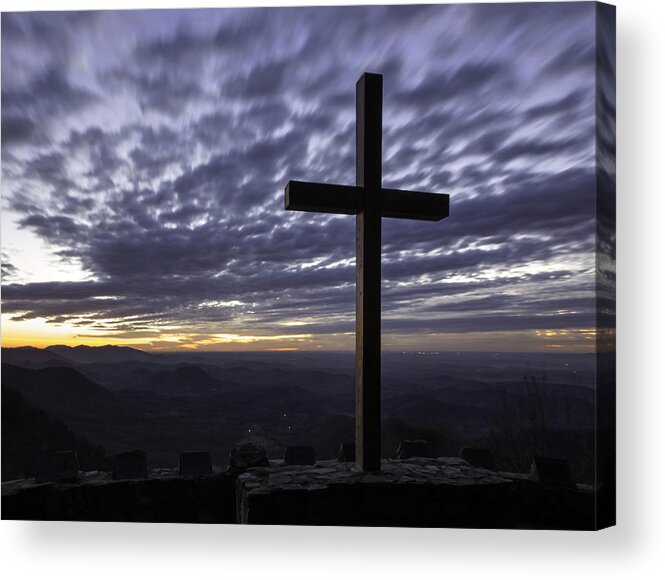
109, 399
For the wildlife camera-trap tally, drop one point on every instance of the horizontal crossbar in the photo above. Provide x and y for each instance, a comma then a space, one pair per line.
302, 196
414, 205
347, 199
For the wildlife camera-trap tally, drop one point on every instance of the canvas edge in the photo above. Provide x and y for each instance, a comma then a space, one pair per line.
605, 265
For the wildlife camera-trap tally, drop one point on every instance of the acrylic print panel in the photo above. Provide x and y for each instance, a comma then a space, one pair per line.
315, 265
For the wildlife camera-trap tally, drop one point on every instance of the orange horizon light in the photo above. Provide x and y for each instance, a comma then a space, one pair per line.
283, 348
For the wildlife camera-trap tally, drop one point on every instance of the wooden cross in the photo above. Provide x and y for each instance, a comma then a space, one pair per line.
369, 202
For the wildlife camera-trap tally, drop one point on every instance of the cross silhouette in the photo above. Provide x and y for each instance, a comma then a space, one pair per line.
369, 202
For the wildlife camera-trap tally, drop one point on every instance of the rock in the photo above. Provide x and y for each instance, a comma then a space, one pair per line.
61, 467
478, 457
195, 463
279, 479
426, 492
347, 452
551, 471
245, 455
416, 448
130, 465
299, 455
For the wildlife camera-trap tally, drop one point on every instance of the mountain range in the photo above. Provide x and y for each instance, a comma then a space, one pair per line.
119, 398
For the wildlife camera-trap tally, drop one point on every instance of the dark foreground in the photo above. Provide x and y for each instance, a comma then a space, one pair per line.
419, 492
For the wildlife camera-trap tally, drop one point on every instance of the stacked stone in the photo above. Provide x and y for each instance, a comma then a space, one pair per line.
419, 491
441, 492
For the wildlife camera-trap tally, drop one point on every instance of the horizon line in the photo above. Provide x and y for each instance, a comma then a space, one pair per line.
304, 351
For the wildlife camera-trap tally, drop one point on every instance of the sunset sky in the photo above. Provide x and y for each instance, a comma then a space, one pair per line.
145, 154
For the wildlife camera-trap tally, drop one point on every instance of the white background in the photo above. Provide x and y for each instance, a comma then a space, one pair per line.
633, 549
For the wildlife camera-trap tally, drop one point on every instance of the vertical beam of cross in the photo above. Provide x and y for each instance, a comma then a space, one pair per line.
369, 202
369, 99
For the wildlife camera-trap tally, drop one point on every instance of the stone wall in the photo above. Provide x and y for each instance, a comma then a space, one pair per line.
418, 492
162, 497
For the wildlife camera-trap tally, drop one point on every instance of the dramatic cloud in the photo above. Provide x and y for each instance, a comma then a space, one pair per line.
144, 157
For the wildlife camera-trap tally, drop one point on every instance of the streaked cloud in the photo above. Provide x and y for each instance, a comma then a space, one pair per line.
145, 154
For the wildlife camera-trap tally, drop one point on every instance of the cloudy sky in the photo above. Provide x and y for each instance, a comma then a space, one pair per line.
145, 153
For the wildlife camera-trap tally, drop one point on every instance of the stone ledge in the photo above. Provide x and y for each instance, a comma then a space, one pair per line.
442, 471
97, 478
418, 492
163, 496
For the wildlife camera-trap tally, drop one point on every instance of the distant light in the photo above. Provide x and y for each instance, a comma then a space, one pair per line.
285, 414
249, 430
